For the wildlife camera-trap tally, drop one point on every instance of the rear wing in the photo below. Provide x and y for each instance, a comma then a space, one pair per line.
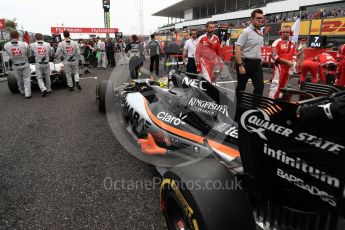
299, 165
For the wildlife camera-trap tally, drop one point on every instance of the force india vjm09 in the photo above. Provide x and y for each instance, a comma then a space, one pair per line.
281, 166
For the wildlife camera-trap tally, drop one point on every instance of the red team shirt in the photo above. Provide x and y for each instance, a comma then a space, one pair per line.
208, 49
341, 65
284, 49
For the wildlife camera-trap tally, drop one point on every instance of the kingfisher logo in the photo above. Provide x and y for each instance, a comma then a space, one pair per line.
257, 121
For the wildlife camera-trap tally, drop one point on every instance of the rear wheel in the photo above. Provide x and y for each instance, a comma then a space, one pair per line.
12, 82
192, 199
63, 78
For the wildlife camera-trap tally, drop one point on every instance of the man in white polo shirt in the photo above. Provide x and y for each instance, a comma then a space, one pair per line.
189, 52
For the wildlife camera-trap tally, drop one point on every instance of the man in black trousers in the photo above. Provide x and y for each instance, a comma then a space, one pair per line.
154, 50
248, 57
110, 50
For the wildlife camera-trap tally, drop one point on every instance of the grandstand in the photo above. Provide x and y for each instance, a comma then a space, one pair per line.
319, 17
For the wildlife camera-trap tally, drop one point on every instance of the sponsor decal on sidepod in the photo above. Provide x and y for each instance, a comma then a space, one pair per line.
165, 116
194, 83
207, 107
257, 121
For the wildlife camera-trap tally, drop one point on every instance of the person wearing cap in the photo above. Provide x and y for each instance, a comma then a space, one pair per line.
19, 53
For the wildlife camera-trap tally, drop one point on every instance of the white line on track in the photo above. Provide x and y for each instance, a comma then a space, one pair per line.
88, 78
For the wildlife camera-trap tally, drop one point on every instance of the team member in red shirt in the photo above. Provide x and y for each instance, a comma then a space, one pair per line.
317, 67
326, 62
284, 55
341, 66
309, 65
208, 52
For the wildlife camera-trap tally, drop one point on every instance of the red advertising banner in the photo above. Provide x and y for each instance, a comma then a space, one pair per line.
56, 30
2, 24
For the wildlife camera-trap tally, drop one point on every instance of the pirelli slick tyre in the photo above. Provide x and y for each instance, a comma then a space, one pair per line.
63, 78
101, 92
12, 82
189, 201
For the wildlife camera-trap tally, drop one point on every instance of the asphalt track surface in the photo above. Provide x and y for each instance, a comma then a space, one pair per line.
58, 160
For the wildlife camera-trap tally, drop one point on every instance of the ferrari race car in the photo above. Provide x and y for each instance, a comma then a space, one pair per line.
264, 166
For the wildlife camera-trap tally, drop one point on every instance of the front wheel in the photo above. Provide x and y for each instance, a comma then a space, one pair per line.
12, 82
101, 92
204, 196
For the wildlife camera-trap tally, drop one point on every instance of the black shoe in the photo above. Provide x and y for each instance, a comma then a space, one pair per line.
44, 93
78, 85
71, 88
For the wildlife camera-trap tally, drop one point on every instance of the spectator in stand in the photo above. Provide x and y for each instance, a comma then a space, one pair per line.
334, 13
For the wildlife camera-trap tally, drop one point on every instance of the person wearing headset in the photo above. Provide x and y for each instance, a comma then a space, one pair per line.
284, 56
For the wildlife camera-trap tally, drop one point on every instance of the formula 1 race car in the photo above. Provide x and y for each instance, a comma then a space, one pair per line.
269, 169
57, 73
161, 118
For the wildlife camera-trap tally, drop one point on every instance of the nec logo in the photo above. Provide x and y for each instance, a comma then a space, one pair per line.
199, 84
16, 52
333, 26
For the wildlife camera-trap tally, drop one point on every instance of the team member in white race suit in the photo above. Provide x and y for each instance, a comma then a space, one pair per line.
101, 50
19, 52
71, 55
42, 51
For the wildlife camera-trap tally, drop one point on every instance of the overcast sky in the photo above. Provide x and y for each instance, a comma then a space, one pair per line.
40, 15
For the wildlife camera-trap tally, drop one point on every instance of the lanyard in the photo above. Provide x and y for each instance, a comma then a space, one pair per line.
255, 30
